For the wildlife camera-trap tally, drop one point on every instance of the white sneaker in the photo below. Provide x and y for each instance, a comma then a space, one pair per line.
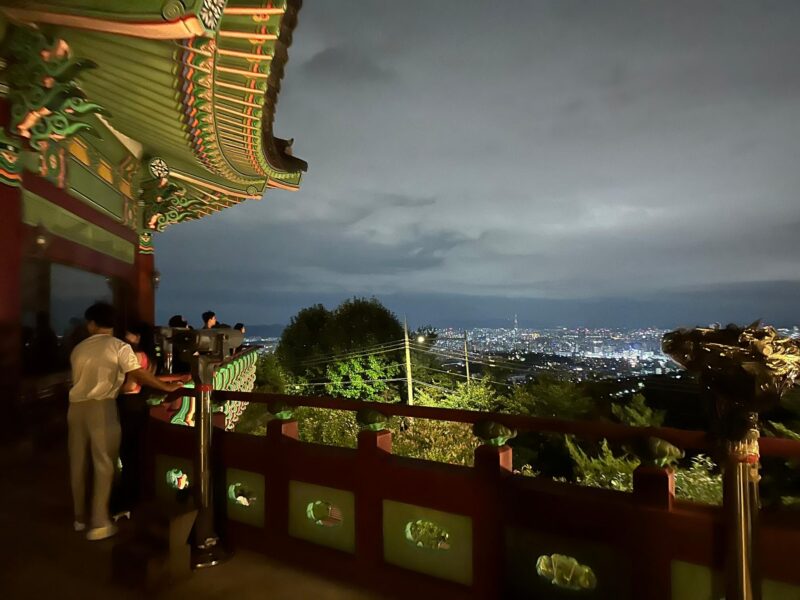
100, 533
124, 514
78, 525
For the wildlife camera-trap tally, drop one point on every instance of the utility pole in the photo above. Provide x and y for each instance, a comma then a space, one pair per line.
466, 356
408, 365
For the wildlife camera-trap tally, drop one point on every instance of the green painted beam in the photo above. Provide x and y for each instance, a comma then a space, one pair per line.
36, 211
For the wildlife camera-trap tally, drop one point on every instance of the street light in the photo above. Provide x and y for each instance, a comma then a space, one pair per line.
420, 339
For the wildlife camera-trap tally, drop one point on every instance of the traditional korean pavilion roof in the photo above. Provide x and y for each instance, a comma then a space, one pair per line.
190, 86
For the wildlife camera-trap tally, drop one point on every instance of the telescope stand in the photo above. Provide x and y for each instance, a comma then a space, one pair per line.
206, 548
741, 507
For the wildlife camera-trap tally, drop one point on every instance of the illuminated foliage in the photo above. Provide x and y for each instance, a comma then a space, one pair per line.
699, 482
362, 378
637, 413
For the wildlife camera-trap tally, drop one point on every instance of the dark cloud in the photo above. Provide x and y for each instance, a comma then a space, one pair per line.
402, 200
344, 65
554, 158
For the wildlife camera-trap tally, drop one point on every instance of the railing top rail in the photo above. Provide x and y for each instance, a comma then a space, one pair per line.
683, 438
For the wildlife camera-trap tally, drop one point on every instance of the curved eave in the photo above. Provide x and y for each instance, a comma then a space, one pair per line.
204, 103
277, 150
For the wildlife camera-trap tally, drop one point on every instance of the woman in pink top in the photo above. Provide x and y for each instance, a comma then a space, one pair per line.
133, 414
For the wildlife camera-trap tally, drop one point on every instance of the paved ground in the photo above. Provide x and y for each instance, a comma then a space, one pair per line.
41, 557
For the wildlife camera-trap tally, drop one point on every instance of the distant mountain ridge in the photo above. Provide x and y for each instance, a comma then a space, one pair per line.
273, 330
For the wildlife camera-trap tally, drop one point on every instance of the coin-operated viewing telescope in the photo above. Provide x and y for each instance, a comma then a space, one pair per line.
744, 370
163, 337
205, 349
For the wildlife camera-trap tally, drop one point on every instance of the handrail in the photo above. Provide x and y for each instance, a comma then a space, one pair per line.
683, 438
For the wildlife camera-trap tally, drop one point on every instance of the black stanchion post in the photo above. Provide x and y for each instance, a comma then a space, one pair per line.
206, 349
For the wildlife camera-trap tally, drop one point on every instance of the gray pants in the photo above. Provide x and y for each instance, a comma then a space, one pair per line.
94, 431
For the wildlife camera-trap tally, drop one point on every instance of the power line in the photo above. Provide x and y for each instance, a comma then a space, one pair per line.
357, 354
346, 382
462, 376
480, 360
490, 362
381, 346
434, 386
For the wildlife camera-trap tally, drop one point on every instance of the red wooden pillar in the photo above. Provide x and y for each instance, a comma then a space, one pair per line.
11, 252
144, 290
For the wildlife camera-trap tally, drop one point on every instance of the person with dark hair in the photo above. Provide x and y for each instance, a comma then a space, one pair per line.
178, 321
209, 319
133, 411
99, 366
240, 327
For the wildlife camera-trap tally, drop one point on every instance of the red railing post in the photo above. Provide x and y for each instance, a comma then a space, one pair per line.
492, 465
374, 447
654, 492
654, 486
280, 435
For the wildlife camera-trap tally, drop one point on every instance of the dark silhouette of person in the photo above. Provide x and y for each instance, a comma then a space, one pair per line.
178, 321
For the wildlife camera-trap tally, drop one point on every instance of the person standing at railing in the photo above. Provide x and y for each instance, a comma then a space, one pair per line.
133, 411
178, 321
209, 319
100, 364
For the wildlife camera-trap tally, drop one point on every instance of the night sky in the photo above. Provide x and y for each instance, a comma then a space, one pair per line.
578, 163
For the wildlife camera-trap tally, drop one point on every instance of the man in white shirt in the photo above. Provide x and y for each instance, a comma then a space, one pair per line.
99, 365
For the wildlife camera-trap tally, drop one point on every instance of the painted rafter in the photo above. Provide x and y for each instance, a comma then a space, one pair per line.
154, 19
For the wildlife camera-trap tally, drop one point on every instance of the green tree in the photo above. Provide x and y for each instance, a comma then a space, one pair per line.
700, 482
479, 394
604, 470
301, 341
361, 323
270, 376
441, 441
550, 398
637, 413
362, 378
315, 336
324, 426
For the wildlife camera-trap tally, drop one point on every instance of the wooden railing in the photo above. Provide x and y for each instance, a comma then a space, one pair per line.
356, 514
